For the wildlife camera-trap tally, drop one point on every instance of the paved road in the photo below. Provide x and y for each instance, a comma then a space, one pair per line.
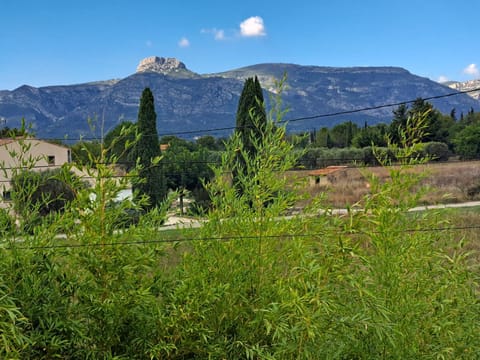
178, 222
445, 206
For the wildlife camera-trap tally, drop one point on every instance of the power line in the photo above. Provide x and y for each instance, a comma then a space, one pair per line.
160, 164
352, 163
346, 112
234, 238
304, 118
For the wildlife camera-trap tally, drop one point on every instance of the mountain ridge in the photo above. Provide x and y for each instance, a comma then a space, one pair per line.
187, 100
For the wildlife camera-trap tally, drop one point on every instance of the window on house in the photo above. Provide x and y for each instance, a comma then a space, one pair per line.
7, 196
51, 159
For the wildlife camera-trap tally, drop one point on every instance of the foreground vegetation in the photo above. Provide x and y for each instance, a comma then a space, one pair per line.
382, 283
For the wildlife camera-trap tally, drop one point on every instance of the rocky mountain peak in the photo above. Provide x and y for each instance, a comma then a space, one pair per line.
160, 65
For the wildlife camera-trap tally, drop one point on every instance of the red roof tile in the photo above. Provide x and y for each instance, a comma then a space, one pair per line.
326, 171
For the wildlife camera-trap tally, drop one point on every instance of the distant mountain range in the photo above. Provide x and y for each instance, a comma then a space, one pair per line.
186, 101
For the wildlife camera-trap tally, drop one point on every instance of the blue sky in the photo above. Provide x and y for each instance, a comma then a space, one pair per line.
51, 42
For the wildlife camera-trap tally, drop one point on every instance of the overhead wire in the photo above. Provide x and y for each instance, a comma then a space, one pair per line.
303, 118
355, 163
338, 113
317, 116
232, 238
284, 121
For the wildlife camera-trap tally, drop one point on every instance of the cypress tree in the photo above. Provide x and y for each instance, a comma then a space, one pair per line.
147, 149
251, 120
251, 115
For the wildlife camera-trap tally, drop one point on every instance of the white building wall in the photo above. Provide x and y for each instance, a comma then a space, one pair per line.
27, 154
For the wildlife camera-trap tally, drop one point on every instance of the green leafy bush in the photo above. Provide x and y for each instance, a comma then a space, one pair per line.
38, 195
437, 151
7, 222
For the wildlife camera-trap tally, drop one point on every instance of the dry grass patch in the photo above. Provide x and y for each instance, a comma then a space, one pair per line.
447, 183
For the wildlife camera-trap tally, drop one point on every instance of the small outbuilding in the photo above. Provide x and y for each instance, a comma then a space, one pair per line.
319, 177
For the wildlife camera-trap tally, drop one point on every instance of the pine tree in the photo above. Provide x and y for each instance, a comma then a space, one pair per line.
398, 123
421, 108
251, 121
152, 182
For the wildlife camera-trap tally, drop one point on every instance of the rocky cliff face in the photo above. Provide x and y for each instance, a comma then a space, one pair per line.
185, 101
467, 86
166, 66
160, 64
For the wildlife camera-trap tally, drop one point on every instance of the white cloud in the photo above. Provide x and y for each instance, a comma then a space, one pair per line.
472, 70
442, 79
184, 42
253, 26
218, 34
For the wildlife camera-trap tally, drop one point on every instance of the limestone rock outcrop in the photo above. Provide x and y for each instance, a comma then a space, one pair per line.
469, 86
160, 65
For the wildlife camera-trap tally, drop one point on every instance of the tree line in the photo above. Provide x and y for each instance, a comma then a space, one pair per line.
444, 135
